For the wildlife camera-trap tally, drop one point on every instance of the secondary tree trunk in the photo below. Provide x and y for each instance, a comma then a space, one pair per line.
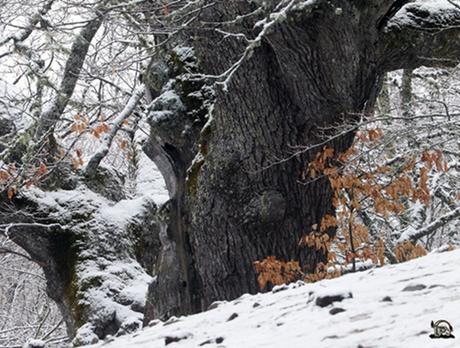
96, 252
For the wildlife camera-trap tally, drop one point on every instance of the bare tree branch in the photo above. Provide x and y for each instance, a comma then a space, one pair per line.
117, 124
32, 22
72, 70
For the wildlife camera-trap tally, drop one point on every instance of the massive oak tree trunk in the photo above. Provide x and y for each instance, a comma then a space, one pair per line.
242, 198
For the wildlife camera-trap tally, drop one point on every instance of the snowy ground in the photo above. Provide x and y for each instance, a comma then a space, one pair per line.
416, 293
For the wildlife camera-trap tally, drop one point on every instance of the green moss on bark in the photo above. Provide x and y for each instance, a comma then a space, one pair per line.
64, 251
192, 177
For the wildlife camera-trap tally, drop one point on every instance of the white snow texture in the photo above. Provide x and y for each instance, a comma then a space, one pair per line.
390, 307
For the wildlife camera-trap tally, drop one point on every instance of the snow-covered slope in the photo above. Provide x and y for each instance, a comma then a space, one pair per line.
390, 307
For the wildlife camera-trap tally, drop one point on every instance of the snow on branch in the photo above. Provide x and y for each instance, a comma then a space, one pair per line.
23, 34
72, 70
6, 229
414, 235
96, 159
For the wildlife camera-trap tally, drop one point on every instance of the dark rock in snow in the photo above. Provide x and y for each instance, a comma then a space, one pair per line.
233, 316
324, 301
206, 342
214, 305
387, 299
172, 339
336, 310
423, 333
416, 287
256, 304
137, 307
218, 340
436, 286
333, 337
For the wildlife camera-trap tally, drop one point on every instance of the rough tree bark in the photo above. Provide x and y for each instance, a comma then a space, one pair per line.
236, 190
319, 67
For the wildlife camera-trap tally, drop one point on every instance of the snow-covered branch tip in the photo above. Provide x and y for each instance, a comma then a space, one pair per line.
431, 228
32, 21
107, 141
6, 229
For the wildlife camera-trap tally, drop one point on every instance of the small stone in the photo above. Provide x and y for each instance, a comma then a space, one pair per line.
387, 299
233, 316
206, 342
324, 301
332, 337
256, 304
172, 339
416, 287
138, 307
218, 340
436, 286
423, 333
336, 310
214, 305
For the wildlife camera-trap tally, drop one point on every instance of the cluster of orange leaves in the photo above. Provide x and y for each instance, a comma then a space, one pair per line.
408, 251
9, 176
11, 181
80, 124
39, 172
165, 9
322, 271
77, 159
276, 272
100, 129
352, 188
318, 241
